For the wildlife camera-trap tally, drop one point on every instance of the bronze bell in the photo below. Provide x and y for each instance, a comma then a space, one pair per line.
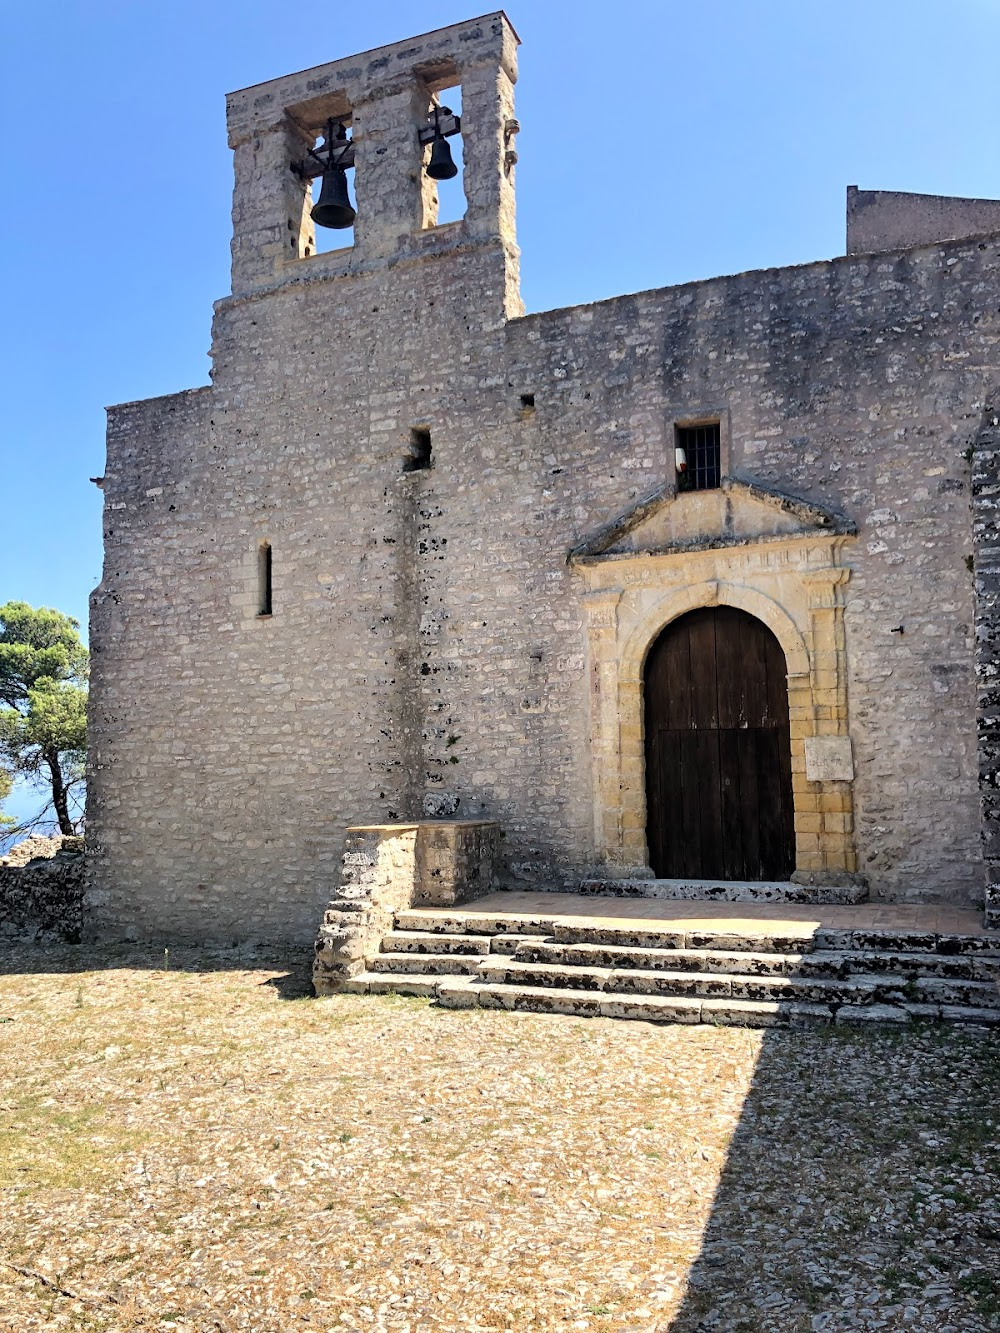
333, 207
441, 167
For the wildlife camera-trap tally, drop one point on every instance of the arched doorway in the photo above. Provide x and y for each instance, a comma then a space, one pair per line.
718, 754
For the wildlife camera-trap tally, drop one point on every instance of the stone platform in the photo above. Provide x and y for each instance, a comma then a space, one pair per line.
728, 891
752, 964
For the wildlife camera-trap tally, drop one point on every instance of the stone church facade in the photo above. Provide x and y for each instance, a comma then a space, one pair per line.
413, 552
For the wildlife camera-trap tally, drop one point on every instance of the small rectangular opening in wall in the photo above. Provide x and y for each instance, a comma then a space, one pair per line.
527, 404
264, 583
419, 455
699, 456
444, 200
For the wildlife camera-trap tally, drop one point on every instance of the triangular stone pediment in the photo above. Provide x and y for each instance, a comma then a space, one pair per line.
739, 513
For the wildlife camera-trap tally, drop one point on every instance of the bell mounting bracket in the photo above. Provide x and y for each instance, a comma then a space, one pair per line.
335, 151
441, 123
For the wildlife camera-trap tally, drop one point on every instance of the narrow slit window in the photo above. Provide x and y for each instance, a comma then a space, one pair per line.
700, 447
264, 598
419, 455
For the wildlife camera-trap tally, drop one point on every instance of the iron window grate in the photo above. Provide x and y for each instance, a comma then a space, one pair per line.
703, 450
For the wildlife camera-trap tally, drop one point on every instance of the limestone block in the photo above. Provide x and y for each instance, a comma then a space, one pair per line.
829, 759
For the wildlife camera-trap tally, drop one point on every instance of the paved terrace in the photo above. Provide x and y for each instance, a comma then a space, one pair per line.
735, 918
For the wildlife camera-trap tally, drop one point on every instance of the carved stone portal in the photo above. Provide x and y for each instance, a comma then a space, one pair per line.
775, 557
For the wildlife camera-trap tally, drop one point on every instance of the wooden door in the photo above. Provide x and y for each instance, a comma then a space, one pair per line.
718, 754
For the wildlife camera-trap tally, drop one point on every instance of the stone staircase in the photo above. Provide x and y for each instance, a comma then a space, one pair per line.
780, 973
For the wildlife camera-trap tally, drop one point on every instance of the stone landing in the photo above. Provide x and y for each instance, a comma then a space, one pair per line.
690, 962
727, 891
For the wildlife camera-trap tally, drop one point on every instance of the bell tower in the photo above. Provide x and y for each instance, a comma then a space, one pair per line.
388, 123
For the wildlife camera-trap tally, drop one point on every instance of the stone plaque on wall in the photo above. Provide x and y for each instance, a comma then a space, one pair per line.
829, 759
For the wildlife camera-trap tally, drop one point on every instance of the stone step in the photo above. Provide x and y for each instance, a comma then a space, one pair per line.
649, 936
454, 921
725, 891
472, 992
844, 962
648, 1008
908, 941
510, 944
710, 985
768, 937
621, 932
398, 983
945, 991
423, 942
821, 963
670, 960
859, 988
430, 964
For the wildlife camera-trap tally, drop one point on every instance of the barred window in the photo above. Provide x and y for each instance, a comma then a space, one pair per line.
702, 449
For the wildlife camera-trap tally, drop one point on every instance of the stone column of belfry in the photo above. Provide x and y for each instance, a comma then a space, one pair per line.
387, 168
487, 132
271, 222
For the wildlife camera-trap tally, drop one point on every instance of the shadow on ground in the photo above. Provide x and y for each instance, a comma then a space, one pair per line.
868, 1200
293, 963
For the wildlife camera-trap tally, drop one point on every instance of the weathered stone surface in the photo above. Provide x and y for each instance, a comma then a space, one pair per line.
416, 941
730, 891
871, 1013
956, 1013
793, 942
687, 984
473, 630
564, 932
39, 846
651, 1008
892, 219
42, 898
829, 759
633, 981
430, 964
457, 995
389, 867
541, 1000
670, 960
511, 971
508, 945
762, 1013
446, 923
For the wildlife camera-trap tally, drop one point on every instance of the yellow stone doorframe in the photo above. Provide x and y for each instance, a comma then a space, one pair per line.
796, 588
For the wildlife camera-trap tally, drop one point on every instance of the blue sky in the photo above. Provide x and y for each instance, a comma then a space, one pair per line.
661, 142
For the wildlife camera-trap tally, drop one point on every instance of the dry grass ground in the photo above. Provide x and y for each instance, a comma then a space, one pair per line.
207, 1148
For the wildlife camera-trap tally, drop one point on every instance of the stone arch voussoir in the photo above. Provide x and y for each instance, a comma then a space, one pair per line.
674, 604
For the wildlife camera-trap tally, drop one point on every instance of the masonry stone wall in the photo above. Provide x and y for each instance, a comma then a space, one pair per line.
428, 632
986, 535
41, 900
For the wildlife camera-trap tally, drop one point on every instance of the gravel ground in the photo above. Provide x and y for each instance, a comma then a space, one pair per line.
206, 1148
